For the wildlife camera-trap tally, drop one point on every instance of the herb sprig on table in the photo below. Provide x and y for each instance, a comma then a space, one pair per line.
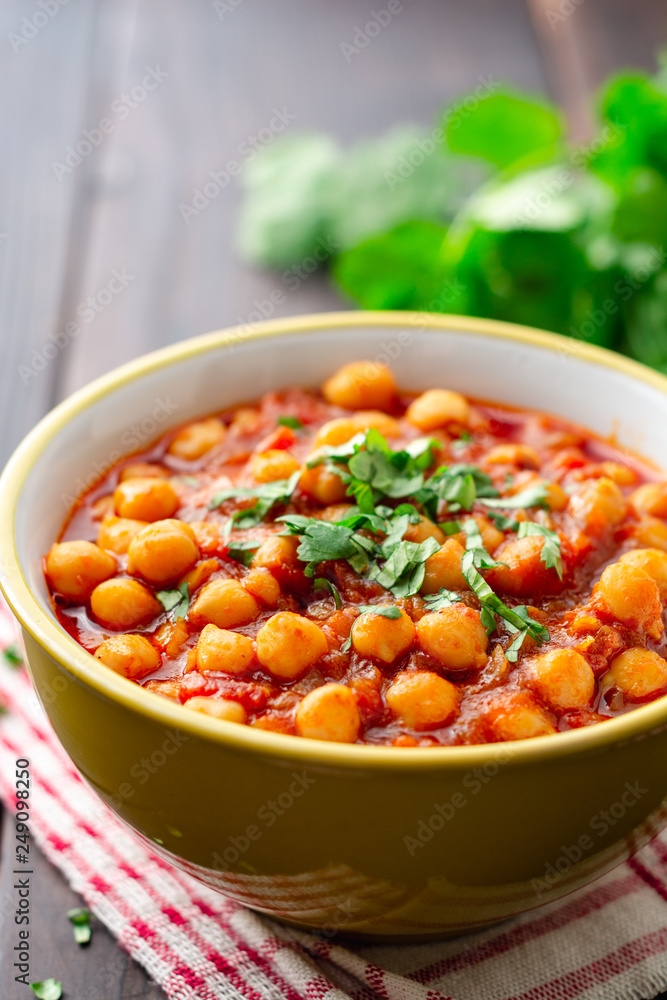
505, 217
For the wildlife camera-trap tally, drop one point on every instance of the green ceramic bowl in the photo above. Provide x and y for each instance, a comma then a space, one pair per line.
378, 842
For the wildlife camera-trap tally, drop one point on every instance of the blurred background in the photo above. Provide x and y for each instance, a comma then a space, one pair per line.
128, 127
172, 167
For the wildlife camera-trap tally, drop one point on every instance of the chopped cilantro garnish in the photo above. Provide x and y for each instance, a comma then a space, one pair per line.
374, 609
12, 654
517, 619
292, 422
443, 599
532, 496
48, 989
323, 540
80, 918
374, 470
177, 601
403, 572
266, 496
551, 552
242, 551
475, 550
320, 583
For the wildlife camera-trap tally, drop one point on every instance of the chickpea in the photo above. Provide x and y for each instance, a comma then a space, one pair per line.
515, 715
74, 569
521, 455
219, 649
116, 533
599, 506
129, 655
638, 674
197, 438
422, 700
651, 498
336, 432
269, 466
438, 408
455, 637
651, 532
162, 551
443, 569
223, 603
121, 604
208, 537
200, 574
337, 512
524, 573
622, 475
382, 638
218, 708
330, 713
388, 427
629, 595
149, 499
492, 537
556, 498
172, 636
340, 430
262, 584
278, 554
323, 485
361, 385
142, 470
425, 528
103, 508
288, 644
562, 678
653, 562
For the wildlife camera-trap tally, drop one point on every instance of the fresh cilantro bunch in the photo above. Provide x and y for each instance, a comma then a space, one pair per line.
566, 237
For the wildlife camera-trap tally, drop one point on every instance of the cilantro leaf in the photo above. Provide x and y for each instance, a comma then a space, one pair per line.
505, 127
80, 918
243, 550
177, 601
12, 654
266, 496
517, 619
481, 559
324, 540
551, 554
403, 572
293, 422
512, 651
375, 471
320, 583
48, 989
532, 496
459, 486
384, 612
443, 599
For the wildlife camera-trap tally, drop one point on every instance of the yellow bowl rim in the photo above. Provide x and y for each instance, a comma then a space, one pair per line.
633, 725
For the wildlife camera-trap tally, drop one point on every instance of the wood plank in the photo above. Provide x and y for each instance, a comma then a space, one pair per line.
226, 77
44, 90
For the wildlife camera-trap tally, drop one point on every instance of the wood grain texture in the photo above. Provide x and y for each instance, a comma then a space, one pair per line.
62, 239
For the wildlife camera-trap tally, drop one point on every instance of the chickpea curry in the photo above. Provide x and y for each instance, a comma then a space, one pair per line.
361, 565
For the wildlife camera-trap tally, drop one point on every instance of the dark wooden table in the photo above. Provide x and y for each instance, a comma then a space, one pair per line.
218, 71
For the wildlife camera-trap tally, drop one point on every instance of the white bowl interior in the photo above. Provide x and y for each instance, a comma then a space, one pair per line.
131, 417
